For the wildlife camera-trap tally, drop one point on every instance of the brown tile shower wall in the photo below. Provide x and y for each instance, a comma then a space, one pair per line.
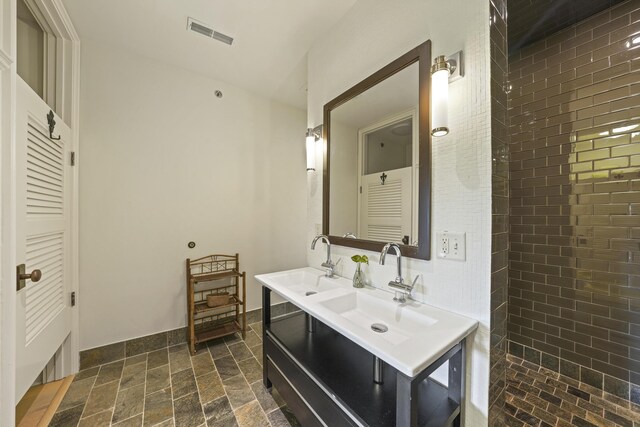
574, 259
500, 211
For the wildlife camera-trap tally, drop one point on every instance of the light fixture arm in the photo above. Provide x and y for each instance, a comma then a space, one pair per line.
316, 132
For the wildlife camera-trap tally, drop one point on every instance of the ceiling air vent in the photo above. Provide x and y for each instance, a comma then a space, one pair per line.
200, 28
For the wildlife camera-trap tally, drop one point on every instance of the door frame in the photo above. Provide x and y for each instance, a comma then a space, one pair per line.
361, 154
61, 34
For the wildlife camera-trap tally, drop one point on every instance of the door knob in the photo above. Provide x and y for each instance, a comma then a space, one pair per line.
35, 276
22, 276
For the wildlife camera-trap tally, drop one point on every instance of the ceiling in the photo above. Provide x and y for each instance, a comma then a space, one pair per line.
532, 20
271, 37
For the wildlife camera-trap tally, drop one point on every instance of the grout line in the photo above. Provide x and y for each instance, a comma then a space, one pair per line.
113, 411
90, 390
117, 392
195, 379
258, 381
255, 398
144, 405
144, 392
173, 406
272, 410
120, 422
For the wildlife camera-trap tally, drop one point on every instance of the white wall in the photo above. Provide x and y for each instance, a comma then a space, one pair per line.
163, 162
344, 182
372, 34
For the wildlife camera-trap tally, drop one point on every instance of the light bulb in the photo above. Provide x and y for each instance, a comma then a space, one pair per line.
440, 103
311, 152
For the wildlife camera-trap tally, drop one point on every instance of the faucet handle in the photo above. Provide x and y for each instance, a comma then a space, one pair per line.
330, 267
330, 264
414, 281
394, 284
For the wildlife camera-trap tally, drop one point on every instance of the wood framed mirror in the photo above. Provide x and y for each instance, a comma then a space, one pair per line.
377, 159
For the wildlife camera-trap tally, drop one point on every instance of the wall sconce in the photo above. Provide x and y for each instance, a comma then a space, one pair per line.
313, 135
443, 71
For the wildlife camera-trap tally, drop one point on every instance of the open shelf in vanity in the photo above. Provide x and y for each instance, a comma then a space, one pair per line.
322, 374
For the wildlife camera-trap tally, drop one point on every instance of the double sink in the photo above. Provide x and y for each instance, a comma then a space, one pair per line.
408, 336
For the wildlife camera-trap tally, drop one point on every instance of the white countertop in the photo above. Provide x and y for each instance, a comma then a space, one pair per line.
418, 333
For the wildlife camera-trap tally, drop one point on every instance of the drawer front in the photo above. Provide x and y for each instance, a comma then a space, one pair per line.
295, 403
285, 374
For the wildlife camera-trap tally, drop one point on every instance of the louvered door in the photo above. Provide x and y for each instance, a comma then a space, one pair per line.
42, 235
385, 208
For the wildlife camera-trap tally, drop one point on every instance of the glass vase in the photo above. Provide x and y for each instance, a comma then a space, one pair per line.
358, 278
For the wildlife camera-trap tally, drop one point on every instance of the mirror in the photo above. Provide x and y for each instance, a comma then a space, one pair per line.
377, 161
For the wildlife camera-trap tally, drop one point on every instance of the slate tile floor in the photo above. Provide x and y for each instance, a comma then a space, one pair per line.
220, 386
536, 396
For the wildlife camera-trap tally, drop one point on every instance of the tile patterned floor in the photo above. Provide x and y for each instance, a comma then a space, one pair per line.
539, 397
220, 386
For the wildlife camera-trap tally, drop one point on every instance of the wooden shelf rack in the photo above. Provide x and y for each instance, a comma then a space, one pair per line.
211, 275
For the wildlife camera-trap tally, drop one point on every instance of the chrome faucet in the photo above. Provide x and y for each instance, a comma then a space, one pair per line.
328, 264
402, 290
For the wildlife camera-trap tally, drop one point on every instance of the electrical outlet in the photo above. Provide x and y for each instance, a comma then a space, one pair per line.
451, 245
444, 244
318, 229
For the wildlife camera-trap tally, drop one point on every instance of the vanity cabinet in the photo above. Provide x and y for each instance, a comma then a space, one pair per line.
327, 379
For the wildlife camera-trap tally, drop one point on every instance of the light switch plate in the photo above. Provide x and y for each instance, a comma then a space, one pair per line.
451, 245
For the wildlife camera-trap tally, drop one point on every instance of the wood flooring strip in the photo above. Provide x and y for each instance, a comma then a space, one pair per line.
55, 403
35, 402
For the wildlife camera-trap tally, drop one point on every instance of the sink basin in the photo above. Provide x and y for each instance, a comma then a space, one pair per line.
408, 336
305, 282
368, 313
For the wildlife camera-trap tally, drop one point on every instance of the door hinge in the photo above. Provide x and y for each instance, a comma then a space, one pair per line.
73, 158
73, 299
361, 189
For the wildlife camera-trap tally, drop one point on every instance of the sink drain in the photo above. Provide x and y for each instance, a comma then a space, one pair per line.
306, 294
379, 327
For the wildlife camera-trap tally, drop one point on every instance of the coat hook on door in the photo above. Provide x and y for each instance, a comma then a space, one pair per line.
52, 126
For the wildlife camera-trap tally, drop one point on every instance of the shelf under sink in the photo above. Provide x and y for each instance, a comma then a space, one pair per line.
346, 370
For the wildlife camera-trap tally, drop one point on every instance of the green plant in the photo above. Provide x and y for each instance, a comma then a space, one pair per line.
360, 258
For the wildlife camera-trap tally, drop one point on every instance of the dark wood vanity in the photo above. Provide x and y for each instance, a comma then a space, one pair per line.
327, 379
